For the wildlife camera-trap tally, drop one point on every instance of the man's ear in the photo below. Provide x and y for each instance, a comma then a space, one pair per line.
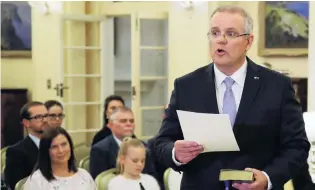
26, 123
110, 124
250, 40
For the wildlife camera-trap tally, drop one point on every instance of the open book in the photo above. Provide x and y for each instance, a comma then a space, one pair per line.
236, 175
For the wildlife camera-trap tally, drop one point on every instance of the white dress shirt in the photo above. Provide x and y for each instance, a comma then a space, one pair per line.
117, 140
237, 88
35, 139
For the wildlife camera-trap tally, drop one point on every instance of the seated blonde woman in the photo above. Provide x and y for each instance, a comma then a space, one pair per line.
55, 168
130, 163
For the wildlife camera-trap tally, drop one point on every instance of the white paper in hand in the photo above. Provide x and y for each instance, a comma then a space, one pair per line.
213, 131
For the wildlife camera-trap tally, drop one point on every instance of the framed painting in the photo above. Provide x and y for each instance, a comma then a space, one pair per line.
283, 28
16, 35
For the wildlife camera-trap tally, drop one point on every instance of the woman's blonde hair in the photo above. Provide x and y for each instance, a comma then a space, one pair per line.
125, 145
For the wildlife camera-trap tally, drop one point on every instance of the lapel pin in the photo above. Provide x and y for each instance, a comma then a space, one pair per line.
256, 78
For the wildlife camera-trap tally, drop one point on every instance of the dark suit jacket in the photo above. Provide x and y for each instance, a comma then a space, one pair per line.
269, 128
20, 161
303, 180
104, 154
102, 134
159, 167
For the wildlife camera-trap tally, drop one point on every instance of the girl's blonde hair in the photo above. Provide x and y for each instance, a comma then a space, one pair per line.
125, 145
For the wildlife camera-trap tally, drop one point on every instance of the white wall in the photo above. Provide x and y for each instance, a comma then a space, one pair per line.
188, 45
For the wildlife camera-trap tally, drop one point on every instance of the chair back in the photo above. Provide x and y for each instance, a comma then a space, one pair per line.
172, 179
103, 178
3, 161
80, 152
309, 120
85, 163
289, 185
19, 185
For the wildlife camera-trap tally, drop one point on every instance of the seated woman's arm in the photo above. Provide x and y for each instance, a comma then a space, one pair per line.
88, 179
33, 183
152, 182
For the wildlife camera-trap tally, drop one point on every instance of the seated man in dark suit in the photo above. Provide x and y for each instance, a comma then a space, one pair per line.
159, 167
4, 185
22, 156
104, 154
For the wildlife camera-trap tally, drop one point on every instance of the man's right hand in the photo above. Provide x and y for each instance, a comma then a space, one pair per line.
185, 151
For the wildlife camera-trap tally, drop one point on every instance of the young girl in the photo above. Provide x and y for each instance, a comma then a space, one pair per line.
130, 163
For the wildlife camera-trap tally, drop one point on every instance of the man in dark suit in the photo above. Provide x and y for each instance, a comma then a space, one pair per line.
159, 167
266, 118
22, 156
103, 155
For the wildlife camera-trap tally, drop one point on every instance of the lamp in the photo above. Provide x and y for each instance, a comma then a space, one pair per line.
188, 5
46, 7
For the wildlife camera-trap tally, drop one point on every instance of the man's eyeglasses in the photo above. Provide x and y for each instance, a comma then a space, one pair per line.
38, 117
228, 35
47, 116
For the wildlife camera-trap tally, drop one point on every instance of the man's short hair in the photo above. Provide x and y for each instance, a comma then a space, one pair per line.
24, 112
124, 109
249, 23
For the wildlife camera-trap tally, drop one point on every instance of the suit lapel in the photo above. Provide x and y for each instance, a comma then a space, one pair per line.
114, 147
250, 91
210, 91
31, 149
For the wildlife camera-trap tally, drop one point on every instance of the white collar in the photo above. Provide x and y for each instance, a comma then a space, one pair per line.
239, 76
117, 140
35, 139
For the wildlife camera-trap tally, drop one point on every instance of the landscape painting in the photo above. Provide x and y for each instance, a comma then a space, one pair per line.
283, 28
16, 35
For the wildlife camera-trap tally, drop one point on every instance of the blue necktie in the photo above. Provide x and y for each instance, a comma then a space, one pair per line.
229, 107
229, 104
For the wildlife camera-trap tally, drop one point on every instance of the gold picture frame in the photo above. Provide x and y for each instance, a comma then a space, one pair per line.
16, 54
263, 49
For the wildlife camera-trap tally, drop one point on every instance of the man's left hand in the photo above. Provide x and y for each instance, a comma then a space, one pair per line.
260, 182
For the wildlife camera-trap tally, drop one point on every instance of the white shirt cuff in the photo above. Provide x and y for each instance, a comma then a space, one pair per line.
174, 159
269, 182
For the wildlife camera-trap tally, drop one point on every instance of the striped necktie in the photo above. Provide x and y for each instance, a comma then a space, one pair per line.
229, 104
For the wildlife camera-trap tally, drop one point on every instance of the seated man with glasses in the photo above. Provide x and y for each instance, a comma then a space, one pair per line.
22, 156
55, 113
